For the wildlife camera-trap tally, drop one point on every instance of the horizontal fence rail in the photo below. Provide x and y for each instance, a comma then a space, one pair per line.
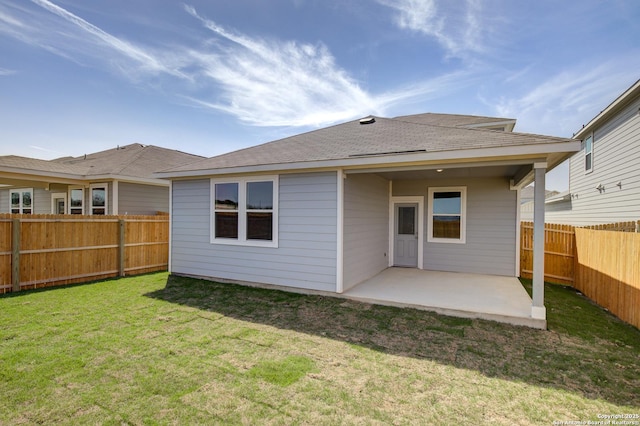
48, 250
601, 261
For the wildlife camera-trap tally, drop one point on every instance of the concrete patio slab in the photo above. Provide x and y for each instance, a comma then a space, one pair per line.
491, 297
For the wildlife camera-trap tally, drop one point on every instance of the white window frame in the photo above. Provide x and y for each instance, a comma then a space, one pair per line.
56, 196
20, 191
587, 153
69, 206
463, 215
242, 212
104, 186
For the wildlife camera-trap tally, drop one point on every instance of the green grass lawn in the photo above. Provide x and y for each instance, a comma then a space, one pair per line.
159, 350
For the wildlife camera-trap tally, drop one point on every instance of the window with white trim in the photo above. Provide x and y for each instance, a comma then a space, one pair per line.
76, 201
245, 211
21, 201
447, 215
588, 153
98, 193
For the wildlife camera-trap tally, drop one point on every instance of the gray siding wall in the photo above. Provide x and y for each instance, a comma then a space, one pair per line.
137, 199
366, 227
490, 246
616, 158
305, 258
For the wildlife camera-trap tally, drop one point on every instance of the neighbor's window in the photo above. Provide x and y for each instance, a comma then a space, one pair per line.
447, 215
99, 199
588, 153
21, 201
76, 201
245, 211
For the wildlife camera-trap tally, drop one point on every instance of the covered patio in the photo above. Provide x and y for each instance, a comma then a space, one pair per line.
491, 297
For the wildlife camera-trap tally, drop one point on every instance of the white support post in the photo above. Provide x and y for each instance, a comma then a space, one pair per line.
538, 311
340, 230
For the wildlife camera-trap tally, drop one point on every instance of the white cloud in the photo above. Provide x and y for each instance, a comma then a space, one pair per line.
260, 82
458, 27
277, 83
562, 103
5, 72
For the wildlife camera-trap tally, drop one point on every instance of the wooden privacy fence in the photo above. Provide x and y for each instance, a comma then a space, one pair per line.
47, 250
602, 261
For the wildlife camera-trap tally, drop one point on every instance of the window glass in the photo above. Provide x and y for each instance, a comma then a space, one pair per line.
259, 226
588, 153
21, 201
226, 196
99, 201
446, 227
226, 224
447, 203
76, 199
15, 200
447, 210
259, 195
244, 211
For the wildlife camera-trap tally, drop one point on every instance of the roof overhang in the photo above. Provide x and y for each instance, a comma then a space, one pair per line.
39, 179
615, 106
552, 154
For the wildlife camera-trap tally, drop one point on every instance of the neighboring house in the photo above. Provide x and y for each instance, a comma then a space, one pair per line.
116, 181
604, 177
526, 202
328, 209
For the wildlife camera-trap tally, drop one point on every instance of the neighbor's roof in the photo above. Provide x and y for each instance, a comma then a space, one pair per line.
135, 161
352, 140
614, 107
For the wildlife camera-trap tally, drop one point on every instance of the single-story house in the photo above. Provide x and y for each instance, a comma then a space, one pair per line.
115, 181
330, 209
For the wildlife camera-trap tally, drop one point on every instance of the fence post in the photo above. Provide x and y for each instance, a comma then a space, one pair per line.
15, 255
121, 247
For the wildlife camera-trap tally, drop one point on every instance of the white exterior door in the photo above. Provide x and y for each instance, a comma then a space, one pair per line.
59, 203
405, 249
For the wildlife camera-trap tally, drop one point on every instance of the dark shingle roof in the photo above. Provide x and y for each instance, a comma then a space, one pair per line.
352, 140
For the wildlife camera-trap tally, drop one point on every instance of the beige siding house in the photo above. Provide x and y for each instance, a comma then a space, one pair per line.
116, 181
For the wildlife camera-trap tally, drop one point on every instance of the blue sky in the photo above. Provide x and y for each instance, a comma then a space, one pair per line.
208, 77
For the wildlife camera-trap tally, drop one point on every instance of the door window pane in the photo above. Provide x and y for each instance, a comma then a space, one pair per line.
406, 220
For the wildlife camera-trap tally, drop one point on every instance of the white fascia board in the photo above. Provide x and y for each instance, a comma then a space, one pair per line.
37, 175
621, 101
129, 179
384, 160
